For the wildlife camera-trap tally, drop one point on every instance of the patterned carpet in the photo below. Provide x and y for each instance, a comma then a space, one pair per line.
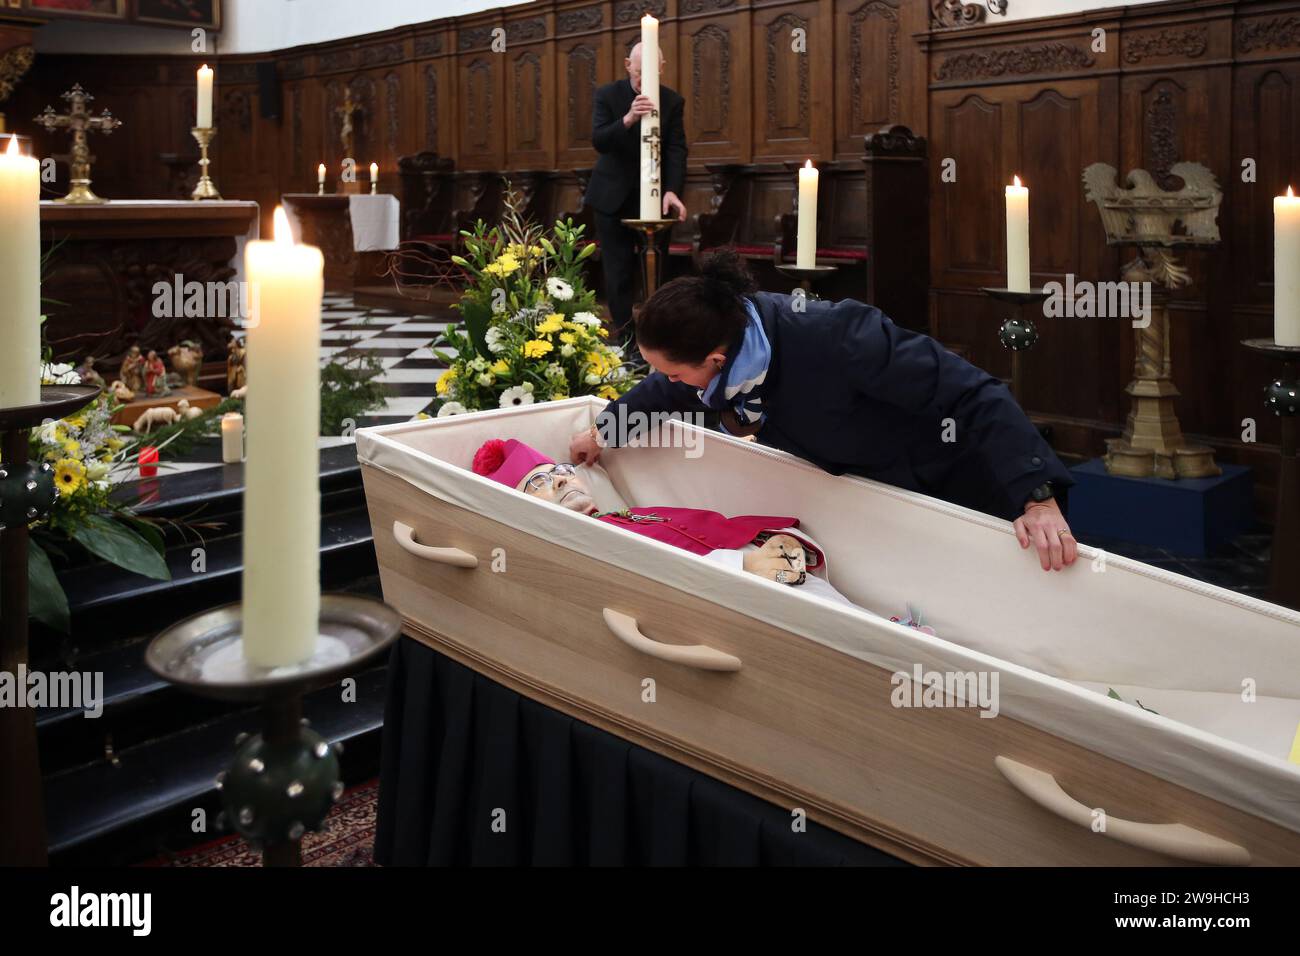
347, 840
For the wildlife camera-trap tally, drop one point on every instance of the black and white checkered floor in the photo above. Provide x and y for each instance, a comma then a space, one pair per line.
400, 340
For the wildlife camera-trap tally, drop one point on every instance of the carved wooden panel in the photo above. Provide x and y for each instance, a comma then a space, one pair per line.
714, 69
526, 125
430, 104
784, 73
481, 111
579, 77
869, 44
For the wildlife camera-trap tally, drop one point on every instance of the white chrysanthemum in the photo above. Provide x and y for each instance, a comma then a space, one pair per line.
587, 319
451, 408
46, 433
568, 351
554, 369
527, 387
59, 374
493, 338
486, 379
479, 364
518, 395
592, 378
558, 289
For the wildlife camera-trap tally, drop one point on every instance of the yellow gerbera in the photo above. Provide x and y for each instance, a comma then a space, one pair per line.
505, 264
446, 381
500, 367
72, 448
551, 324
608, 391
568, 338
69, 475
536, 348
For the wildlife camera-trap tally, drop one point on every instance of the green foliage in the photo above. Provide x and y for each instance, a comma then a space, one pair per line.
347, 391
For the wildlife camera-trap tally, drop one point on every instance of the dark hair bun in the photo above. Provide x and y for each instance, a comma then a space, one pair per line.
726, 266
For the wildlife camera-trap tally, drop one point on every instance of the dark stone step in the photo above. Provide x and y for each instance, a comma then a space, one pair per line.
220, 489
105, 599
168, 777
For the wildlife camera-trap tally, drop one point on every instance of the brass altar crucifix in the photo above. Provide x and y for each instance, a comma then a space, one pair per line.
79, 121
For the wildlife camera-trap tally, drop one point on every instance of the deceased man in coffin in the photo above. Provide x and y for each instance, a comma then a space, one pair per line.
769, 546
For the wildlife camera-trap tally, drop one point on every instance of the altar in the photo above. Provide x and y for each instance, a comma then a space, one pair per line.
352, 231
103, 263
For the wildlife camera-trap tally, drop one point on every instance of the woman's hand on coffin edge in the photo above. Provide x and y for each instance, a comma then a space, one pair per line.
584, 449
780, 558
1043, 526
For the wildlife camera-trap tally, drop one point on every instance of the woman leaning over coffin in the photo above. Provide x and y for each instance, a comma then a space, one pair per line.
839, 384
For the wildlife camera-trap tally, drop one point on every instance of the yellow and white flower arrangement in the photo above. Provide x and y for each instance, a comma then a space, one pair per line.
529, 332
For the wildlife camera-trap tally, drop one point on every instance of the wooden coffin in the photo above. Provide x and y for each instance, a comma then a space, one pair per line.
812, 704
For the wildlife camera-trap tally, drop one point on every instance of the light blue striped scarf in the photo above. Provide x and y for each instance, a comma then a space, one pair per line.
737, 385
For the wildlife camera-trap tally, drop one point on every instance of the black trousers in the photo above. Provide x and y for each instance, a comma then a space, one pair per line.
620, 257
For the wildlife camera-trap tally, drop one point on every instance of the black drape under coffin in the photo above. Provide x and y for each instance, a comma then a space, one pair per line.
474, 773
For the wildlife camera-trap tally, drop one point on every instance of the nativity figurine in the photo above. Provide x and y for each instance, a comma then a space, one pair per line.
155, 375
187, 361
236, 372
131, 373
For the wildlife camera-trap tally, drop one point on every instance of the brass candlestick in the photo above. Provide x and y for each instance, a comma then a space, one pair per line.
650, 264
206, 189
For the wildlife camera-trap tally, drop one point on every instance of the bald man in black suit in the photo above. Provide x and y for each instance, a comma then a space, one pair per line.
614, 191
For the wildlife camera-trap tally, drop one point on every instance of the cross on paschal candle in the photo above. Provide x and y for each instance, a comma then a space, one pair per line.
79, 122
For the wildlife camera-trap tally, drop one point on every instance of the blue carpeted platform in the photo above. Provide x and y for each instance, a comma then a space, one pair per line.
1192, 516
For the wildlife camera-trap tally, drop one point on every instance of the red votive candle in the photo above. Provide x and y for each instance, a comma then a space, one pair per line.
148, 462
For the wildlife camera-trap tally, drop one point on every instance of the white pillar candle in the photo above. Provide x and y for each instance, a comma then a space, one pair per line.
20, 278
806, 254
374, 178
1286, 269
204, 118
652, 196
232, 438
282, 475
1018, 237
320, 174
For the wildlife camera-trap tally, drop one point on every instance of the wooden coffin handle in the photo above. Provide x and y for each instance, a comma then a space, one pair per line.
1172, 839
405, 536
700, 656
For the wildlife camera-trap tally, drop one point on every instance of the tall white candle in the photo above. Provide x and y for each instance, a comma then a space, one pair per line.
1286, 268
20, 278
282, 474
204, 118
806, 255
1018, 237
320, 174
652, 196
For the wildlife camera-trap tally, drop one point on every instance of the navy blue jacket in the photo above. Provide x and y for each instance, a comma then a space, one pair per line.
850, 391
